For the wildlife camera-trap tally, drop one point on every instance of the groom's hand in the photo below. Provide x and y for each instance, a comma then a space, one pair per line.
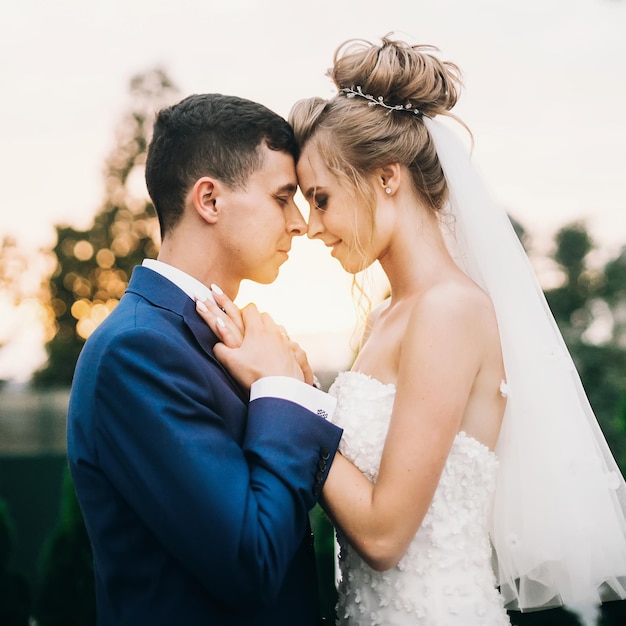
265, 350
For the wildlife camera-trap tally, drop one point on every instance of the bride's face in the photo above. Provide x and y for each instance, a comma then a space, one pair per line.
336, 217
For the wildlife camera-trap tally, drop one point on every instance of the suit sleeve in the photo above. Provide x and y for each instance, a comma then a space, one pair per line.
233, 515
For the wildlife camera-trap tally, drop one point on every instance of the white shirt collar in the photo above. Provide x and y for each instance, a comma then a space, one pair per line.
190, 285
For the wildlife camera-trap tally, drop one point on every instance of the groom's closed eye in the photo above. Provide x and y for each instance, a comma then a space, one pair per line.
283, 200
285, 194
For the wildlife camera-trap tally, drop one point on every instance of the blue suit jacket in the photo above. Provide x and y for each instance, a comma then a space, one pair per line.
196, 501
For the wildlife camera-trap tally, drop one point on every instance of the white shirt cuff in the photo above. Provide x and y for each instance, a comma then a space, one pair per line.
296, 391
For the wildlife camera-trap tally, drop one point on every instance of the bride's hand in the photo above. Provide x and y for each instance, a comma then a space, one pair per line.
225, 320
303, 362
265, 350
223, 317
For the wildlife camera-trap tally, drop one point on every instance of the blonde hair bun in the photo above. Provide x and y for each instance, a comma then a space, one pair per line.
398, 72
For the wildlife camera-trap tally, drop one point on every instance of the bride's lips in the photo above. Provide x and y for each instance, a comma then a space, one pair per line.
334, 246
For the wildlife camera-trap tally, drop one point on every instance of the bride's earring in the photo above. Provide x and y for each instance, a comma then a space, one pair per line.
388, 190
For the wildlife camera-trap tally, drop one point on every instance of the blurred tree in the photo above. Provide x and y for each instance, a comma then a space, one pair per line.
614, 292
589, 307
23, 288
67, 590
571, 302
12, 264
93, 266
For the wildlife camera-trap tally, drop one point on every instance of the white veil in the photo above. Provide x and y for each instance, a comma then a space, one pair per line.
559, 519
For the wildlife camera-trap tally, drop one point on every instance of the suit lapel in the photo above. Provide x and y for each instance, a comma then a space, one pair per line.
207, 339
163, 293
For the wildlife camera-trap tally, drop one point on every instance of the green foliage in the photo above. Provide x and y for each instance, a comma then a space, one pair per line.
93, 266
15, 596
550, 617
590, 297
570, 302
324, 534
602, 370
613, 614
614, 292
67, 592
7, 534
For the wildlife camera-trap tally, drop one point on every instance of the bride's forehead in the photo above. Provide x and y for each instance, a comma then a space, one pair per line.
312, 169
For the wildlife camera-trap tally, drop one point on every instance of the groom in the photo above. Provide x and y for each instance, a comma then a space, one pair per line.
195, 493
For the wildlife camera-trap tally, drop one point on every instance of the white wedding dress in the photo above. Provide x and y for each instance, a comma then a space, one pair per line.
445, 577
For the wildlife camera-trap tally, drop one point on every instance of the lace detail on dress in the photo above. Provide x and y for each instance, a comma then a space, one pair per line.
445, 578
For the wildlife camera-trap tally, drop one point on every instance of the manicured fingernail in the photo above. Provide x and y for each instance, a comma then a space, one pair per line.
220, 322
216, 289
201, 306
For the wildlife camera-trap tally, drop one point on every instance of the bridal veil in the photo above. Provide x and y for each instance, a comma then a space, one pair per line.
559, 518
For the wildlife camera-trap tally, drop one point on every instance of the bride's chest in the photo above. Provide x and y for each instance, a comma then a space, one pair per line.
379, 357
363, 410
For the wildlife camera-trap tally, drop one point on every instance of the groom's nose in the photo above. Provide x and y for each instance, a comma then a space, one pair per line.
296, 225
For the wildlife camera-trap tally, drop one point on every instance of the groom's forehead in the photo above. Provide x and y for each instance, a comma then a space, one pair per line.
277, 170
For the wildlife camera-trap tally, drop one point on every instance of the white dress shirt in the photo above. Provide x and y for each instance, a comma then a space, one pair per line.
283, 387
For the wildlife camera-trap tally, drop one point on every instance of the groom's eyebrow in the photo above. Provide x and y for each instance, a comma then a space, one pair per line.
287, 188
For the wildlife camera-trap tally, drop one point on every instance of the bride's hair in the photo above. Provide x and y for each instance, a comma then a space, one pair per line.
355, 136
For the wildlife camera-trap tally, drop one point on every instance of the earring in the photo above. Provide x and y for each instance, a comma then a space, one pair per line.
388, 190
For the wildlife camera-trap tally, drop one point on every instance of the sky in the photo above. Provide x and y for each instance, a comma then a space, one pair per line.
545, 96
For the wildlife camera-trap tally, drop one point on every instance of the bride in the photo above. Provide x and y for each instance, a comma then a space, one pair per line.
473, 476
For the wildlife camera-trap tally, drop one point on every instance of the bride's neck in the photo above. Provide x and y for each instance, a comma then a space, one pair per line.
417, 258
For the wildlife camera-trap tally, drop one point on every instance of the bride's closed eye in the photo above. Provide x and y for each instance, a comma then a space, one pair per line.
320, 202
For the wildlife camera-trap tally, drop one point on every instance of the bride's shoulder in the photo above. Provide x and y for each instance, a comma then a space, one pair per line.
453, 301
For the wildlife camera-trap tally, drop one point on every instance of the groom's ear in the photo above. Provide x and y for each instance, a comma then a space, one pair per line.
204, 194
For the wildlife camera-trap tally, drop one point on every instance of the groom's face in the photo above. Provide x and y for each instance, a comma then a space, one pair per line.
261, 219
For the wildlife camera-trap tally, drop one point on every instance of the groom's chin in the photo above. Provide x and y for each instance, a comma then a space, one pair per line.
266, 278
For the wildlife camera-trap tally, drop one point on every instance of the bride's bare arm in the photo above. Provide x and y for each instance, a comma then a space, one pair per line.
440, 356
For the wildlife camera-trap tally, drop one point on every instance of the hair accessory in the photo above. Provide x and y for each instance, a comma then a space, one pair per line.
351, 92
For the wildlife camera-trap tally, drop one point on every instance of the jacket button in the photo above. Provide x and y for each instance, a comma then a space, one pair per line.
325, 453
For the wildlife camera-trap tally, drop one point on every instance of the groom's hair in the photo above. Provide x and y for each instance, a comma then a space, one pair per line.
209, 135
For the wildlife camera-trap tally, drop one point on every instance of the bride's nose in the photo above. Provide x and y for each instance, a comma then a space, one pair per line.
315, 227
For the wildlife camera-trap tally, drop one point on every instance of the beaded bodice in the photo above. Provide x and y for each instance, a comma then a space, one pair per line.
445, 577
